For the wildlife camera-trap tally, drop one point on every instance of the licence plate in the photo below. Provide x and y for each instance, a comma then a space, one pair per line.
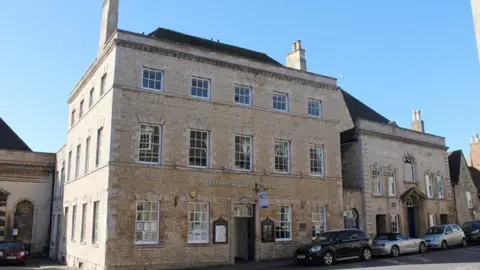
301, 256
11, 257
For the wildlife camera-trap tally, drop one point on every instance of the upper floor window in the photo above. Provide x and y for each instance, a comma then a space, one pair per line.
392, 186
198, 152
80, 112
314, 107
282, 156
98, 156
152, 79
69, 168
409, 169
280, 101
149, 145
87, 155
316, 160
243, 95
72, 118
429, 185
377, 182
440, 190
200, 88
102, 84
90, 97
77, 160
243, 152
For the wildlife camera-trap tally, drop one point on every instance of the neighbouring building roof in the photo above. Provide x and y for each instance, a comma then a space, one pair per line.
357, 110
10, 140
454, 162
475, 173
211, 45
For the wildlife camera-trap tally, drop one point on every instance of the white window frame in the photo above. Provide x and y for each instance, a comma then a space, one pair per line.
154, 80
77, 160
74, 223
237, 93
87, 154
409, 160
279, 222
316, 102
468, 194
141, 224
150, 143
392, 183
80, 110
394, 224
98, 151
319, 219
195, 148
90, 97
62, 178
72, 118
69, 166
275, 94
103, 81
249, 151
377, 183
65, 223
288, 164
202, 223
429, 185
440, 187
432, 219
83, 228
95, 222
318, 149
209, 88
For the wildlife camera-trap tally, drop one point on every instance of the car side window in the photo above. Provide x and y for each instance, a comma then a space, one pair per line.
448, 230
401, 237
361, 234
343, 235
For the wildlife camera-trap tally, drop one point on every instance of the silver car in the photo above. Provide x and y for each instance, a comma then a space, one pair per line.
444, 236
395, 244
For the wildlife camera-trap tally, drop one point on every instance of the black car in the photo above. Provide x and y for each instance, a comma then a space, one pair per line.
331, 246
472, 231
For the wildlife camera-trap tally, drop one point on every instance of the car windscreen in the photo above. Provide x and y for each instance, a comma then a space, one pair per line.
11, 245
471, 225
435, 230
385, 236
327, 236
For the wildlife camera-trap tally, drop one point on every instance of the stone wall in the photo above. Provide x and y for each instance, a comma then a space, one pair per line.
466, 184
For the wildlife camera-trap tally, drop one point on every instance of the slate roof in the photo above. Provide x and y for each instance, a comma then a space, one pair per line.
475, 176
207, 44
358, 109
454, 163
10, 140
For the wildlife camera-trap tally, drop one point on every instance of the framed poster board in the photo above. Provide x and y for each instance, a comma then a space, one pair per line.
268, 230
220, 231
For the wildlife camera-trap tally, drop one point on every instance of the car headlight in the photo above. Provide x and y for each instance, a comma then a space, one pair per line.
22, 253
316, 248
476, 231
1, 253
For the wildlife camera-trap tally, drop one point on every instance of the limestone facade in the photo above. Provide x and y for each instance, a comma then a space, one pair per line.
26, 180
166, 169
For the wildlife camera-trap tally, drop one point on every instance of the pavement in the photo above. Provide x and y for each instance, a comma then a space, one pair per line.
452, 259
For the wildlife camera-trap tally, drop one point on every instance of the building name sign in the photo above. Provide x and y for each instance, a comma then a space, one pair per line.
385, 153
243, 184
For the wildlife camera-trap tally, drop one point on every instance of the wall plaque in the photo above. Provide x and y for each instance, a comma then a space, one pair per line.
220, 231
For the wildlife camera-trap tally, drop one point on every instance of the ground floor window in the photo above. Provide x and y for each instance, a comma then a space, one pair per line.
432, 218
350, 219
394, 223
146, 229
319, 219
283, 228
198, 222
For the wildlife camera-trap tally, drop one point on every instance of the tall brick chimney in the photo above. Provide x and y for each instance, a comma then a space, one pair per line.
417, 123
109, 23
296, 58
475, 151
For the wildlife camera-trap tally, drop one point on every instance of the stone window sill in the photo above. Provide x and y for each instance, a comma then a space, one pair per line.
83, 243
94, 245
198, 244
158, 245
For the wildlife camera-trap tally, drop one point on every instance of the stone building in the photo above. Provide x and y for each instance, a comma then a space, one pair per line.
474, 161
26, 179
172, 141
475, 5
395, 179
466, 194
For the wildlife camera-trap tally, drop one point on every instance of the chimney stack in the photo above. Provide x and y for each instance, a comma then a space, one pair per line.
475, 151
417, 123
109, 23
296, 58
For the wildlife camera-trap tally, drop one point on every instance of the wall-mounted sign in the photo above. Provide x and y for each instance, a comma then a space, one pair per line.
385, 153
263, 199
243, 184
220, 231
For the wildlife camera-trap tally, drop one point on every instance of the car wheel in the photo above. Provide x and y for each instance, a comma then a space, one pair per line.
464, 242
328, 258
395, 251
444, 245
422, 248
366, 254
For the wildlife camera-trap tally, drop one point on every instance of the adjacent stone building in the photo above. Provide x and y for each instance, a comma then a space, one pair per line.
466, 194
474, 161
397, 178
183, 151
26, 179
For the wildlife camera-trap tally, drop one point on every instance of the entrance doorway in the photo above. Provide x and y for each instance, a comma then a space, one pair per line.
244, 231
411, 218
381, 221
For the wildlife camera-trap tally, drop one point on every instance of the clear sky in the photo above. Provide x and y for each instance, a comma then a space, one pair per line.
395, 56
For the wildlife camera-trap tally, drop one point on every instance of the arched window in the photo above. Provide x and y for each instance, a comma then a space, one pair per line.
350, 218
409, 163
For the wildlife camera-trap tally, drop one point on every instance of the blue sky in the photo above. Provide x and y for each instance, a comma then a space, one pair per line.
395, 57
